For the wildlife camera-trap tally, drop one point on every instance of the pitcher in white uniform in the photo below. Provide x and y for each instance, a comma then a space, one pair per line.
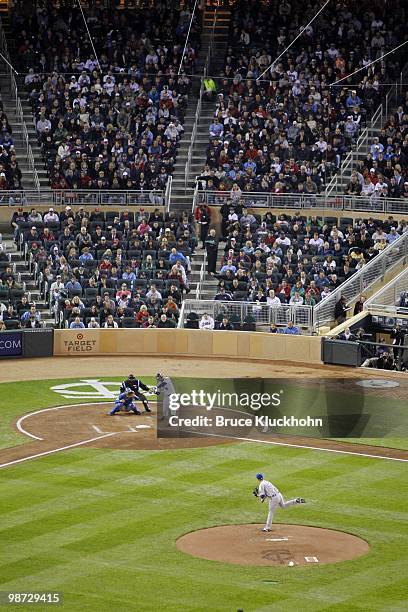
267, 491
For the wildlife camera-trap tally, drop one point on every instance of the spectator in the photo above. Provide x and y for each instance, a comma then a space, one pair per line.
225, 325
93, 323
291, 329
110, 322
211, 245
77, 323
206, 322
359, 305
340, 310
347, 335
165, 322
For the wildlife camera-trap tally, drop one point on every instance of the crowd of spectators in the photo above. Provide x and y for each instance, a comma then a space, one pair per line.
295, 259
16, 309
10, 173
288, 131
384, 171
111, 120
113, 268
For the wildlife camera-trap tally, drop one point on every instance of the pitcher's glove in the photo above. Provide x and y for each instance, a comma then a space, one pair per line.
255, 491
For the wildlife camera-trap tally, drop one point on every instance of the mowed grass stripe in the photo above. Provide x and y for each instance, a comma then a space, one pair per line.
141, 534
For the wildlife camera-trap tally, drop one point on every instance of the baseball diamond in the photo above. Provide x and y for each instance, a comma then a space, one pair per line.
204, 305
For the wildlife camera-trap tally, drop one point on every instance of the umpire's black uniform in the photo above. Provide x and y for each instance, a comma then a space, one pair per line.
136, 385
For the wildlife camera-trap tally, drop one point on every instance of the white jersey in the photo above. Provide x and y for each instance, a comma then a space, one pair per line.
268, 489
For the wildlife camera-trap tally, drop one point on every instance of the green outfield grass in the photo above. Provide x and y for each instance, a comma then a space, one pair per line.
100, 525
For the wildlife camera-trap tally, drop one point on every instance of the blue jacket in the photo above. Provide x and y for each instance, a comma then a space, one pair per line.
124, 399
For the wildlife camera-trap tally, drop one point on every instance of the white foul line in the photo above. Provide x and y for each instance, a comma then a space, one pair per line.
57, 450
327, 450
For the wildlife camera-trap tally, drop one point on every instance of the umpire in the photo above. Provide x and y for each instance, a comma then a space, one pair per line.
137, 386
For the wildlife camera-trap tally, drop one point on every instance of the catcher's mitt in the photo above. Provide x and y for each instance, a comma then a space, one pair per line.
255, 491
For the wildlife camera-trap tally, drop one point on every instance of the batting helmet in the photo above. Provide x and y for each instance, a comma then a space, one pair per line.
259, 476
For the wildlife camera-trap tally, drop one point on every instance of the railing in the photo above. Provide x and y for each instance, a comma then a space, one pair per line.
202, 277
388, 297
83, 197
362, 280
19, 110
301, 316
195, 198
307, 202
167, 193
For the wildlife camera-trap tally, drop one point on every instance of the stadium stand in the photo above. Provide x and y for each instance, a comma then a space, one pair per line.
10, 173
384, 171
131, 267
115, 124
288, 131
293, 258
118, 128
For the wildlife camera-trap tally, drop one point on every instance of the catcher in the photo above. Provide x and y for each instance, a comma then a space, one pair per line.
266, 490
125, 402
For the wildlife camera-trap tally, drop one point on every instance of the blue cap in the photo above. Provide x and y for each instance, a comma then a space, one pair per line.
259, 476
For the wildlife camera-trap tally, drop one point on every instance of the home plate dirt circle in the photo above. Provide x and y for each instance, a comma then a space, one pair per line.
67, 424
289, 545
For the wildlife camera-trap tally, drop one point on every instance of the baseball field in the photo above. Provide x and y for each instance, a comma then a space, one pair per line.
99, 522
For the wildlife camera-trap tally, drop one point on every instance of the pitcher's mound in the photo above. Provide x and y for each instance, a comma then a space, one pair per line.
284, 545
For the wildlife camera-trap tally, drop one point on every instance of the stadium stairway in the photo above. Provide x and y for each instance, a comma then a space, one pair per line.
19, 140
182, 199
26, 279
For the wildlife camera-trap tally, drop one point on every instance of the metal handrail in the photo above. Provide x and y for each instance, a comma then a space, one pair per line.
334, 204
202, 277
167, 193
386, 298
180, 323
195, 199
84, 197
360, 281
